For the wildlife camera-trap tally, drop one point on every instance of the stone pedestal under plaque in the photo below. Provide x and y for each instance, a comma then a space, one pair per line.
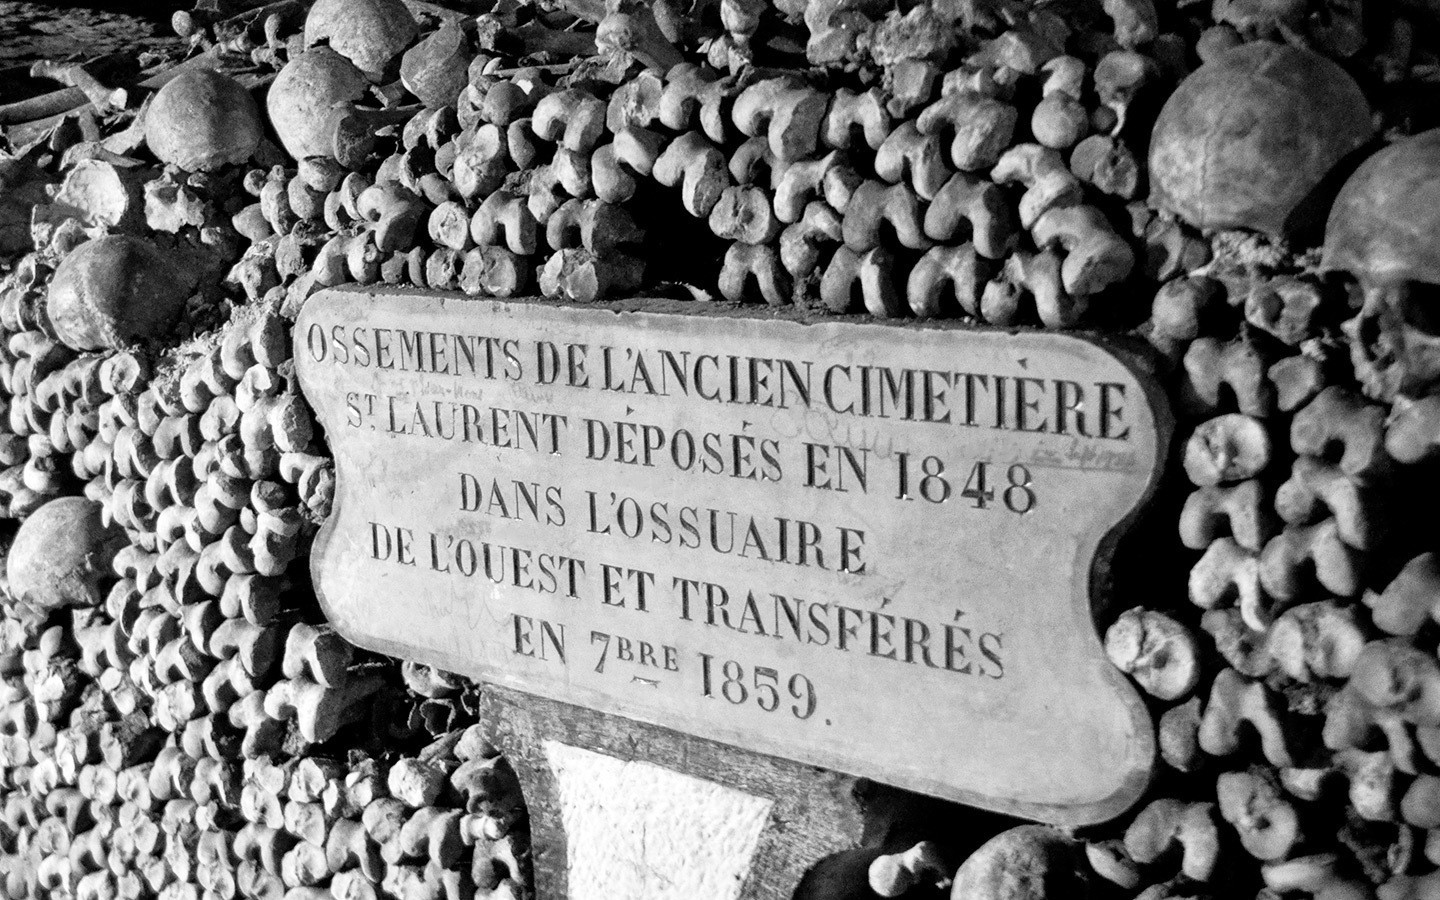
865, 549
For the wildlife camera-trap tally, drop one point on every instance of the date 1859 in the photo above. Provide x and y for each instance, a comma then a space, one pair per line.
762, 687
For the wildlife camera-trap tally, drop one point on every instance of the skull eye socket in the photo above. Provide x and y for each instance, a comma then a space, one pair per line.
1421, 308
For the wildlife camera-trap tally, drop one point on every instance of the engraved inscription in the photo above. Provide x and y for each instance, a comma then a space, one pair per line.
861, 547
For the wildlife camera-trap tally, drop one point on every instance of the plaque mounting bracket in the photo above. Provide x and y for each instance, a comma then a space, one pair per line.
820, 833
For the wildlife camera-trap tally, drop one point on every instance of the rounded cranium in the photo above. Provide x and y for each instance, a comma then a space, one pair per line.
203, 120
304, 94
115, 290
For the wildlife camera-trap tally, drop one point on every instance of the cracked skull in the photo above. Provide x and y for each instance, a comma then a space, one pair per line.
1382, 231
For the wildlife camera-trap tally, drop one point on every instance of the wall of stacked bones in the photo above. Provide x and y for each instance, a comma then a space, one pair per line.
1250, 189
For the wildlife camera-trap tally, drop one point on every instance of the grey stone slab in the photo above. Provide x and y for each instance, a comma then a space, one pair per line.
861, 547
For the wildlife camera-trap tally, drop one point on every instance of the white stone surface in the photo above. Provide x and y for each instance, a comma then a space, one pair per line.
643, 832
759, 601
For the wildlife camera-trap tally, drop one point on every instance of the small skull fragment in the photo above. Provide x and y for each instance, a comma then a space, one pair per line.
62, 555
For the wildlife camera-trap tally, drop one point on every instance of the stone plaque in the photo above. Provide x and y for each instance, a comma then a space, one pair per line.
863, 547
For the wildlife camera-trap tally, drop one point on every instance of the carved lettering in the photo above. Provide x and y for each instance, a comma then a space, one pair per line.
865, 548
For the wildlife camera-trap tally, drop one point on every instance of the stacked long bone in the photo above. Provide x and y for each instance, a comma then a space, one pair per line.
914, 191
439, 824
809, 187
197, 470
491, 193
98, 805
41, 428
129, 717
1306, 536
213, 484
927, 187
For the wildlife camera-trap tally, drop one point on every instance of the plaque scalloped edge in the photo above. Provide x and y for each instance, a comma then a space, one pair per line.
1098, 544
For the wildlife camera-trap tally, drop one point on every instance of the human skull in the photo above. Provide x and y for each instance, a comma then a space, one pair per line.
1250, 139
116, 290
1382, 231
372, 34
304, 94
203, 120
